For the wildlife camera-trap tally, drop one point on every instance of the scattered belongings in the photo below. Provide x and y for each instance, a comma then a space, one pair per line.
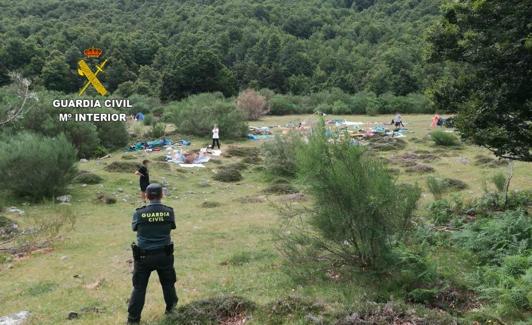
154, 145
15, 210
8, 228
15, 319
191, 158
64, 198
259, 133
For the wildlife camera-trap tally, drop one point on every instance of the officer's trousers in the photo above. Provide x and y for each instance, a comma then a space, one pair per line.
164, 265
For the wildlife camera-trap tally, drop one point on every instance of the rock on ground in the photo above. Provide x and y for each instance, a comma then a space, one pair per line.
15, 319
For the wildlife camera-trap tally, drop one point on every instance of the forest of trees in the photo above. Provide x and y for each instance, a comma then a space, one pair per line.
171, 49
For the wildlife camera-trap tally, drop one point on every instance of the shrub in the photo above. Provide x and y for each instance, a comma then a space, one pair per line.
85, 177
112, 135
280, 155
359, 208
282, 105
228, 175
440, 212
122, 166
157, 130
242, 151
148, 119
442, 138
436, 187
197, 114
36, 166
506, 233
213, 311
252, 104
499, 180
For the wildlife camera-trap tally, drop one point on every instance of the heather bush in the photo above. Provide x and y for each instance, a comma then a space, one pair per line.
252, 104
36, 167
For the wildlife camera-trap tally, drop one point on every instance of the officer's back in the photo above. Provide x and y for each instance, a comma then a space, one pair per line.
153, 224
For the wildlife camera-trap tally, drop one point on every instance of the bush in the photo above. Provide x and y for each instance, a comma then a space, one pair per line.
197, 114
280, 155
213, 311
282, 105
157, 130
148, 119
122, 166
491, 239
85, 177
359, 208
499, 180
439, 186
252, 104
436, 187
442, 138
242, 151
112, 135
36, 166
228, 175
440, 212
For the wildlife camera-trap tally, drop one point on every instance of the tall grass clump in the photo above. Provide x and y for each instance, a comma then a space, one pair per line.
442, 138
36, 167
359, 211
280, 155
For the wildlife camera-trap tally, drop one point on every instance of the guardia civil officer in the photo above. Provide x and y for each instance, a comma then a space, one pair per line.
153, 252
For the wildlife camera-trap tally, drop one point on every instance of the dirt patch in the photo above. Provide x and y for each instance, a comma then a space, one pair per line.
280, 188
210, 204
227, 175
455, 184
128, 156
219, 310
420, 169
240, 166
122, 166
381, 143
485, 161
412, 159
294, 197
252, 199
242, 151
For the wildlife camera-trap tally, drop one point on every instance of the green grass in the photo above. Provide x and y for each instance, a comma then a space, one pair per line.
227, 249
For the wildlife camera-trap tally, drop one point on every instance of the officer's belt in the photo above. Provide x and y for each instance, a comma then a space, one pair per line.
168, 249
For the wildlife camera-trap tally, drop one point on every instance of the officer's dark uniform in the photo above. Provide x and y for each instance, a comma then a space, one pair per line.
153, 252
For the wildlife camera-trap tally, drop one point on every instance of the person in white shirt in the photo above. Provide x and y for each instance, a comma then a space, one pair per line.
215, 136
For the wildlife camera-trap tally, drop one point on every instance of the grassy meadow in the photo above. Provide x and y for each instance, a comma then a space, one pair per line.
225, 249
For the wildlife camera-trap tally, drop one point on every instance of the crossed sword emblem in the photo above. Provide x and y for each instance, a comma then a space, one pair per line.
92, 79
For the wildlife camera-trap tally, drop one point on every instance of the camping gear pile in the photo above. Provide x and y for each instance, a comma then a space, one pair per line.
259, 133
190, 158
155, 145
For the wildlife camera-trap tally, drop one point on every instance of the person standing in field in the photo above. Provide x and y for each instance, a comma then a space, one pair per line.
144, 179
215, 136
398, 121
153, 251
436, 120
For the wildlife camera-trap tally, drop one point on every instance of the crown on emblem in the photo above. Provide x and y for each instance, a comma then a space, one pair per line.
93, 52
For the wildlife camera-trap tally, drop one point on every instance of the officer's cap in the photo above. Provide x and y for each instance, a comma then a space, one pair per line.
154, 190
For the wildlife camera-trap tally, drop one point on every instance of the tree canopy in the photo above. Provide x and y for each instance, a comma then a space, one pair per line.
172, 49
490, 44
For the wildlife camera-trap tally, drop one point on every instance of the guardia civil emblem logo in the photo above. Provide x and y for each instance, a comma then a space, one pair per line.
92, 77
